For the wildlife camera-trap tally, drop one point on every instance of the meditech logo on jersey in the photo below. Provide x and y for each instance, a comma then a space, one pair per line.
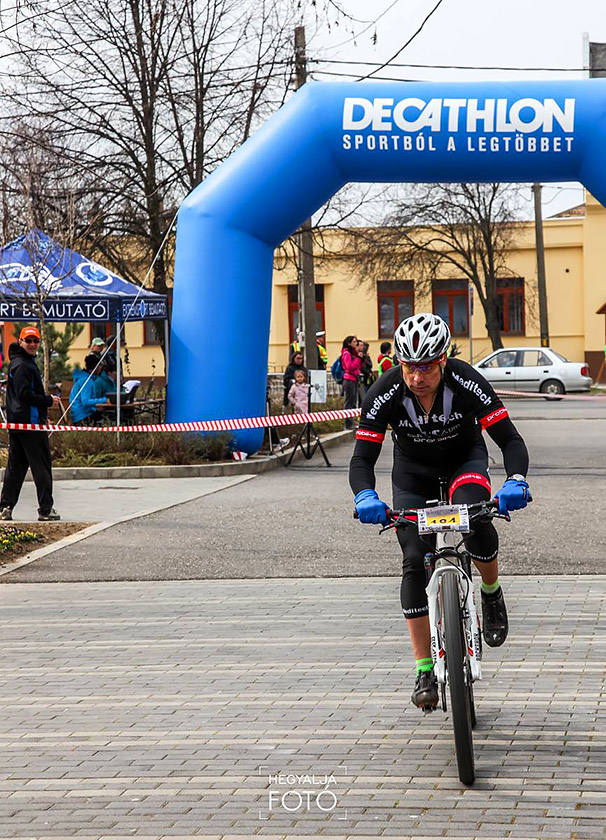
491, 419
472, 115
473, 387
380, 400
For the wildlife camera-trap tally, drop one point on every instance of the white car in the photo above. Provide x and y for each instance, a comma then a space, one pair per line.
538, 369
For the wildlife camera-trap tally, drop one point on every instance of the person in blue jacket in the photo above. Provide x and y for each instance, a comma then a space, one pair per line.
105, 382
84, 397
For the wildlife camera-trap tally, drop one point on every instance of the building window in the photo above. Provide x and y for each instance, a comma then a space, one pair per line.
396, 302
293, 309
150, 334
451, 302
510, 305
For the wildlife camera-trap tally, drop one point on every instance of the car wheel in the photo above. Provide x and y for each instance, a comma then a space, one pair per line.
553, 387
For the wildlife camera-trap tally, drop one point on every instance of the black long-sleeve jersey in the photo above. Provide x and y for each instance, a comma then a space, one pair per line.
465, 405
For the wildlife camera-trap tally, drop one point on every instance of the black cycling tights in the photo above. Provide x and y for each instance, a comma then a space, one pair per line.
416, 484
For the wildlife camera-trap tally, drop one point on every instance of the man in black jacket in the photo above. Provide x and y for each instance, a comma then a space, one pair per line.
26, 402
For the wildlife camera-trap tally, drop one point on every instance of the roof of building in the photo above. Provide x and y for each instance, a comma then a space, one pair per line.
577, 210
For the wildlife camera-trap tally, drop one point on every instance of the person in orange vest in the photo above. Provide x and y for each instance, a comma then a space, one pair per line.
385, 361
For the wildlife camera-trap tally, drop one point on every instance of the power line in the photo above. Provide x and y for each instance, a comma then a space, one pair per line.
410, 40
451, 66
355, 76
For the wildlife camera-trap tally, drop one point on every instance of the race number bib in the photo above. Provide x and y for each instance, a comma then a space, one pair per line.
443, 518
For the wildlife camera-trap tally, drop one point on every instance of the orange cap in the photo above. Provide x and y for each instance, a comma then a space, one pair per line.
29, 331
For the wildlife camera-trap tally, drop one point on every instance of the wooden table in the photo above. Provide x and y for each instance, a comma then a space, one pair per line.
130, 410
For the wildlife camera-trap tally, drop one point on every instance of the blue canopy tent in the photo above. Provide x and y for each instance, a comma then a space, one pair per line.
40, 276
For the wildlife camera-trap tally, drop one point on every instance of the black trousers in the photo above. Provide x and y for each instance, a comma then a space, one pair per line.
28, 449
350, 392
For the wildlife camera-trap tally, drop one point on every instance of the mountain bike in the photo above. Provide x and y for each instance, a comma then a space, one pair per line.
456, 635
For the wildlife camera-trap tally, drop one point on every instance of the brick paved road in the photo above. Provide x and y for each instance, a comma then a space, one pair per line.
160, 709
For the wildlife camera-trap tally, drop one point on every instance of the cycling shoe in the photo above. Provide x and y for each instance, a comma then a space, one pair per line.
495, 625
425, 692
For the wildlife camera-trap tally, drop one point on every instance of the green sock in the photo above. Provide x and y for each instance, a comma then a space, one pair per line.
490, 588
424, 665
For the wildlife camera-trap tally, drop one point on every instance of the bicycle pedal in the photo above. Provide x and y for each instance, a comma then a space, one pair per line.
428, 709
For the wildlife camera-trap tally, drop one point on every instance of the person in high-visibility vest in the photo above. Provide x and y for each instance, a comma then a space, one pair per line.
295, 347
385, 360
321, 348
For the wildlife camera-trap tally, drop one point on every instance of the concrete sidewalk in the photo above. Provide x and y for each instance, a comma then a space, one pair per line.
111, 500
178, 709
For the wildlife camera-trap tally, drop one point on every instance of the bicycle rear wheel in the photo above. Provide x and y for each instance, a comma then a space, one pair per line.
460, 706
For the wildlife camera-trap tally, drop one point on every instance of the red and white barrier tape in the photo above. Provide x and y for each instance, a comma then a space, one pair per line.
252, 422
197, 425
551, 396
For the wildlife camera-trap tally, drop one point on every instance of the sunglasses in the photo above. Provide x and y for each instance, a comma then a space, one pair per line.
411, 368
31, 340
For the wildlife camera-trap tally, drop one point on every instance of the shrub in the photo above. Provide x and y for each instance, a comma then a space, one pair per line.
100, 449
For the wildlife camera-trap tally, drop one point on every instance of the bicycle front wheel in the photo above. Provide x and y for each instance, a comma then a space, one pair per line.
456, 664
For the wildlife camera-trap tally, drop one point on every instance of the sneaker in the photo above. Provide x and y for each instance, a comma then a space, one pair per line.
425, 692
51, 516
495, 625
284, 442
6, 514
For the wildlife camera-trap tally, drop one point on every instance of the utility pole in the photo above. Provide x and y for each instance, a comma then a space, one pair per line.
541, 281
597, 58
307, 289
470, 320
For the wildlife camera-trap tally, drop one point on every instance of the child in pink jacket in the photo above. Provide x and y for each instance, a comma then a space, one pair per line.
298, 396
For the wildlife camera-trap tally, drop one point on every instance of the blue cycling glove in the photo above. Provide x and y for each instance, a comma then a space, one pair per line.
371, 510
513, 495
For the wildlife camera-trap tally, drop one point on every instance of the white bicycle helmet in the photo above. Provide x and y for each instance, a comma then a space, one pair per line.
421, 338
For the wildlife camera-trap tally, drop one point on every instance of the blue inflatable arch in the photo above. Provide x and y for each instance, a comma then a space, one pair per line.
325, 136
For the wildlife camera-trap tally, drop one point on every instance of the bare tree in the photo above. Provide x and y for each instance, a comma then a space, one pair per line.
34, 198
139, 100
446, 231
144, 98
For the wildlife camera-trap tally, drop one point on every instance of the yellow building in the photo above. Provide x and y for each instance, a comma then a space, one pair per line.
575, 253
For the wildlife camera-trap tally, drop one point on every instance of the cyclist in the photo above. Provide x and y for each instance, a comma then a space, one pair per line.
437, 408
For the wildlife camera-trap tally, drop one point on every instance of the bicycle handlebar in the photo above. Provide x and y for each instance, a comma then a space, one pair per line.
488, 508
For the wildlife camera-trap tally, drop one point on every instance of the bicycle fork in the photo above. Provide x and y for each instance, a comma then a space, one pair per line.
471, 623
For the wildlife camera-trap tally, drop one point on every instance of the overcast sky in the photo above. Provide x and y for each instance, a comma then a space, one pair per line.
486, 33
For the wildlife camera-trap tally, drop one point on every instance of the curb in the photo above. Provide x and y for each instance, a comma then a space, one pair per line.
251, 466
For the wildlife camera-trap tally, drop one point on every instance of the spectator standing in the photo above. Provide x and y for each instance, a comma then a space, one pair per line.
99, 348
26, 402
385, 361
367, 376
83, 397
296, 363
321, 348
352, 362
298, 395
